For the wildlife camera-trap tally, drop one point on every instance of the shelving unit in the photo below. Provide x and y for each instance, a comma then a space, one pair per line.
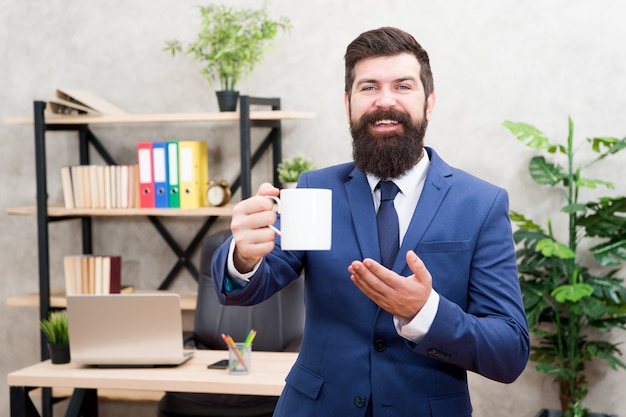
45, 214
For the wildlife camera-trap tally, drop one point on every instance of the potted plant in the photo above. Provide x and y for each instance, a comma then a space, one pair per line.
289, 170
56, 330
230, 44
569, 284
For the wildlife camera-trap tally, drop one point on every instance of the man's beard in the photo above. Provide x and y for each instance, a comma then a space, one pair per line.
387, 154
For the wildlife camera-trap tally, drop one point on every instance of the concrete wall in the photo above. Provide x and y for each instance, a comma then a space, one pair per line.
493, 60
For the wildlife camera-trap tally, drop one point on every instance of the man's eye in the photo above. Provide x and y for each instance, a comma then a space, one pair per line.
404, 87
369, 88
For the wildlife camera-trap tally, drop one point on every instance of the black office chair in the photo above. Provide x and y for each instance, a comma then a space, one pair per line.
279, 324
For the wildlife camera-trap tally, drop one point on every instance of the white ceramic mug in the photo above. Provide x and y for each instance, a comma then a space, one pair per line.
305, 218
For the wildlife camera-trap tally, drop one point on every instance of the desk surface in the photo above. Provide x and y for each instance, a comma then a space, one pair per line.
267, 376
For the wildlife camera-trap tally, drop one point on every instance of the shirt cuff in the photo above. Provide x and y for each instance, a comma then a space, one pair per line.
232, 271
417, 328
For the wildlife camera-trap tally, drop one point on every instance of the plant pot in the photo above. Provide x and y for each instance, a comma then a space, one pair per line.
557, 413
59, 353
227, 100
290, 184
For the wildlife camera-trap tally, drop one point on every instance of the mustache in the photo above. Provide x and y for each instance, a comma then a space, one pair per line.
386, 114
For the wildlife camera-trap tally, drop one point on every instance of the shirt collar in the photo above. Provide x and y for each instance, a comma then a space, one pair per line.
408, 182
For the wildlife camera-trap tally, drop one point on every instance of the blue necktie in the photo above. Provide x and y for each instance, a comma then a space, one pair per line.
388, 227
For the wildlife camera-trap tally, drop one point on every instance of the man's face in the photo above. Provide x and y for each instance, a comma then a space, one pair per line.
388, 114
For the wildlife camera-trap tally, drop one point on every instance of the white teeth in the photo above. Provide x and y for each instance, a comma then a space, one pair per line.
386, 122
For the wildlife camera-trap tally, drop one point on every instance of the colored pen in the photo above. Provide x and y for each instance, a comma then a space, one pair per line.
230, 343
249, 339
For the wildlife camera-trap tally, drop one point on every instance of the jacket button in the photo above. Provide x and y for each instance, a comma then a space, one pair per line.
379, 345
359, 401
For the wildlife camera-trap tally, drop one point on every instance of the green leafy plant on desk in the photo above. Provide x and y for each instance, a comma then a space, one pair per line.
55, 328
289, 170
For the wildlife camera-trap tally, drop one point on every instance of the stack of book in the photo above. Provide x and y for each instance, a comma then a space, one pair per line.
72, 101
100, 186
173, 174
92, 274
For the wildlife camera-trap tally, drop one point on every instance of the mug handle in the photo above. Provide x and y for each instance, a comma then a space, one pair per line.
277, 201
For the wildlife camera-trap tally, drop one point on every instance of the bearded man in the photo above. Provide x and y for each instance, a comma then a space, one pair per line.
420, 285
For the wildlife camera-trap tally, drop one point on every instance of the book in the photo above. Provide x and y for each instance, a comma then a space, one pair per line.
93, 274
66, 182
70, 276
100, 186
69, 101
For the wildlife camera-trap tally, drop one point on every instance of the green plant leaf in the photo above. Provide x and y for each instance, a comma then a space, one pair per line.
611, 253
545, 173
523, 222
532, 137
290, 169
572, 292
589, 183
607, 352
549, 247
613, 145
55, 328
574, 208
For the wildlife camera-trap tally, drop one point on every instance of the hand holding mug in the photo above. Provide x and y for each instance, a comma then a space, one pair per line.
249, 225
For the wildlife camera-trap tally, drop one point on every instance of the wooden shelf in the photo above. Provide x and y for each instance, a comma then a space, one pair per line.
60, 211
53, 119
57, 299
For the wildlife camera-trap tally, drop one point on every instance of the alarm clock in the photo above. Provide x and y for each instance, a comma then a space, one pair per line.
218, 193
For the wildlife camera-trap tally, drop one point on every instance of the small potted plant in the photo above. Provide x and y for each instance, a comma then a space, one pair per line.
230, 44
56, 330
289, 170
570, 285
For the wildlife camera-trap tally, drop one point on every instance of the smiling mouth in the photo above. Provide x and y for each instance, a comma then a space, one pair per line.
386, 122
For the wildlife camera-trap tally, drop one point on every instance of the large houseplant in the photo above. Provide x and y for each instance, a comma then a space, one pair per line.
231, 42
570, 284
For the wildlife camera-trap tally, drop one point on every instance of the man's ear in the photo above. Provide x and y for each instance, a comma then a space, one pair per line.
430, 105
346, 102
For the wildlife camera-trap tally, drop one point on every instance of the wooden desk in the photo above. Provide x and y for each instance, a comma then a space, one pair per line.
267, 377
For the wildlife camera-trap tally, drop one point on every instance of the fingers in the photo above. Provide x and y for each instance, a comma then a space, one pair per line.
396, 294
267, 189
416, 265
253, 239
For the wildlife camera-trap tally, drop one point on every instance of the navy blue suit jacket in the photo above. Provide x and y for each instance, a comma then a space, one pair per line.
351, 352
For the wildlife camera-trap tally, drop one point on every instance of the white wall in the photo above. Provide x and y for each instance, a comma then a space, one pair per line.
493, 60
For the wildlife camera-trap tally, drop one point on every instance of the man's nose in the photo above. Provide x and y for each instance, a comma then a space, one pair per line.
386, 98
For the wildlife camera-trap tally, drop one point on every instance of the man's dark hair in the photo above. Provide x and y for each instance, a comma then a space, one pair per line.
382, 42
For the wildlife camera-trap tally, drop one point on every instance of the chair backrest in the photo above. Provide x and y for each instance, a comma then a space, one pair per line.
279, 320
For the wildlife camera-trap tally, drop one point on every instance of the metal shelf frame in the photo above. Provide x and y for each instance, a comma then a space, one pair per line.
248, 159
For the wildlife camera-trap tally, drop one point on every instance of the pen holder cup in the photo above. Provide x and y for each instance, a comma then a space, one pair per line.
239, 359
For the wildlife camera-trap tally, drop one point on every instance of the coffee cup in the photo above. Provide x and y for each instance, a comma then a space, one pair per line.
305, 218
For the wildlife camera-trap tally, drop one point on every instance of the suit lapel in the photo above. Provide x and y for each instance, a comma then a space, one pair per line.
436, 187
363, 214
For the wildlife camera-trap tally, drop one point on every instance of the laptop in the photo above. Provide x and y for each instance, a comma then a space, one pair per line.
134, 330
